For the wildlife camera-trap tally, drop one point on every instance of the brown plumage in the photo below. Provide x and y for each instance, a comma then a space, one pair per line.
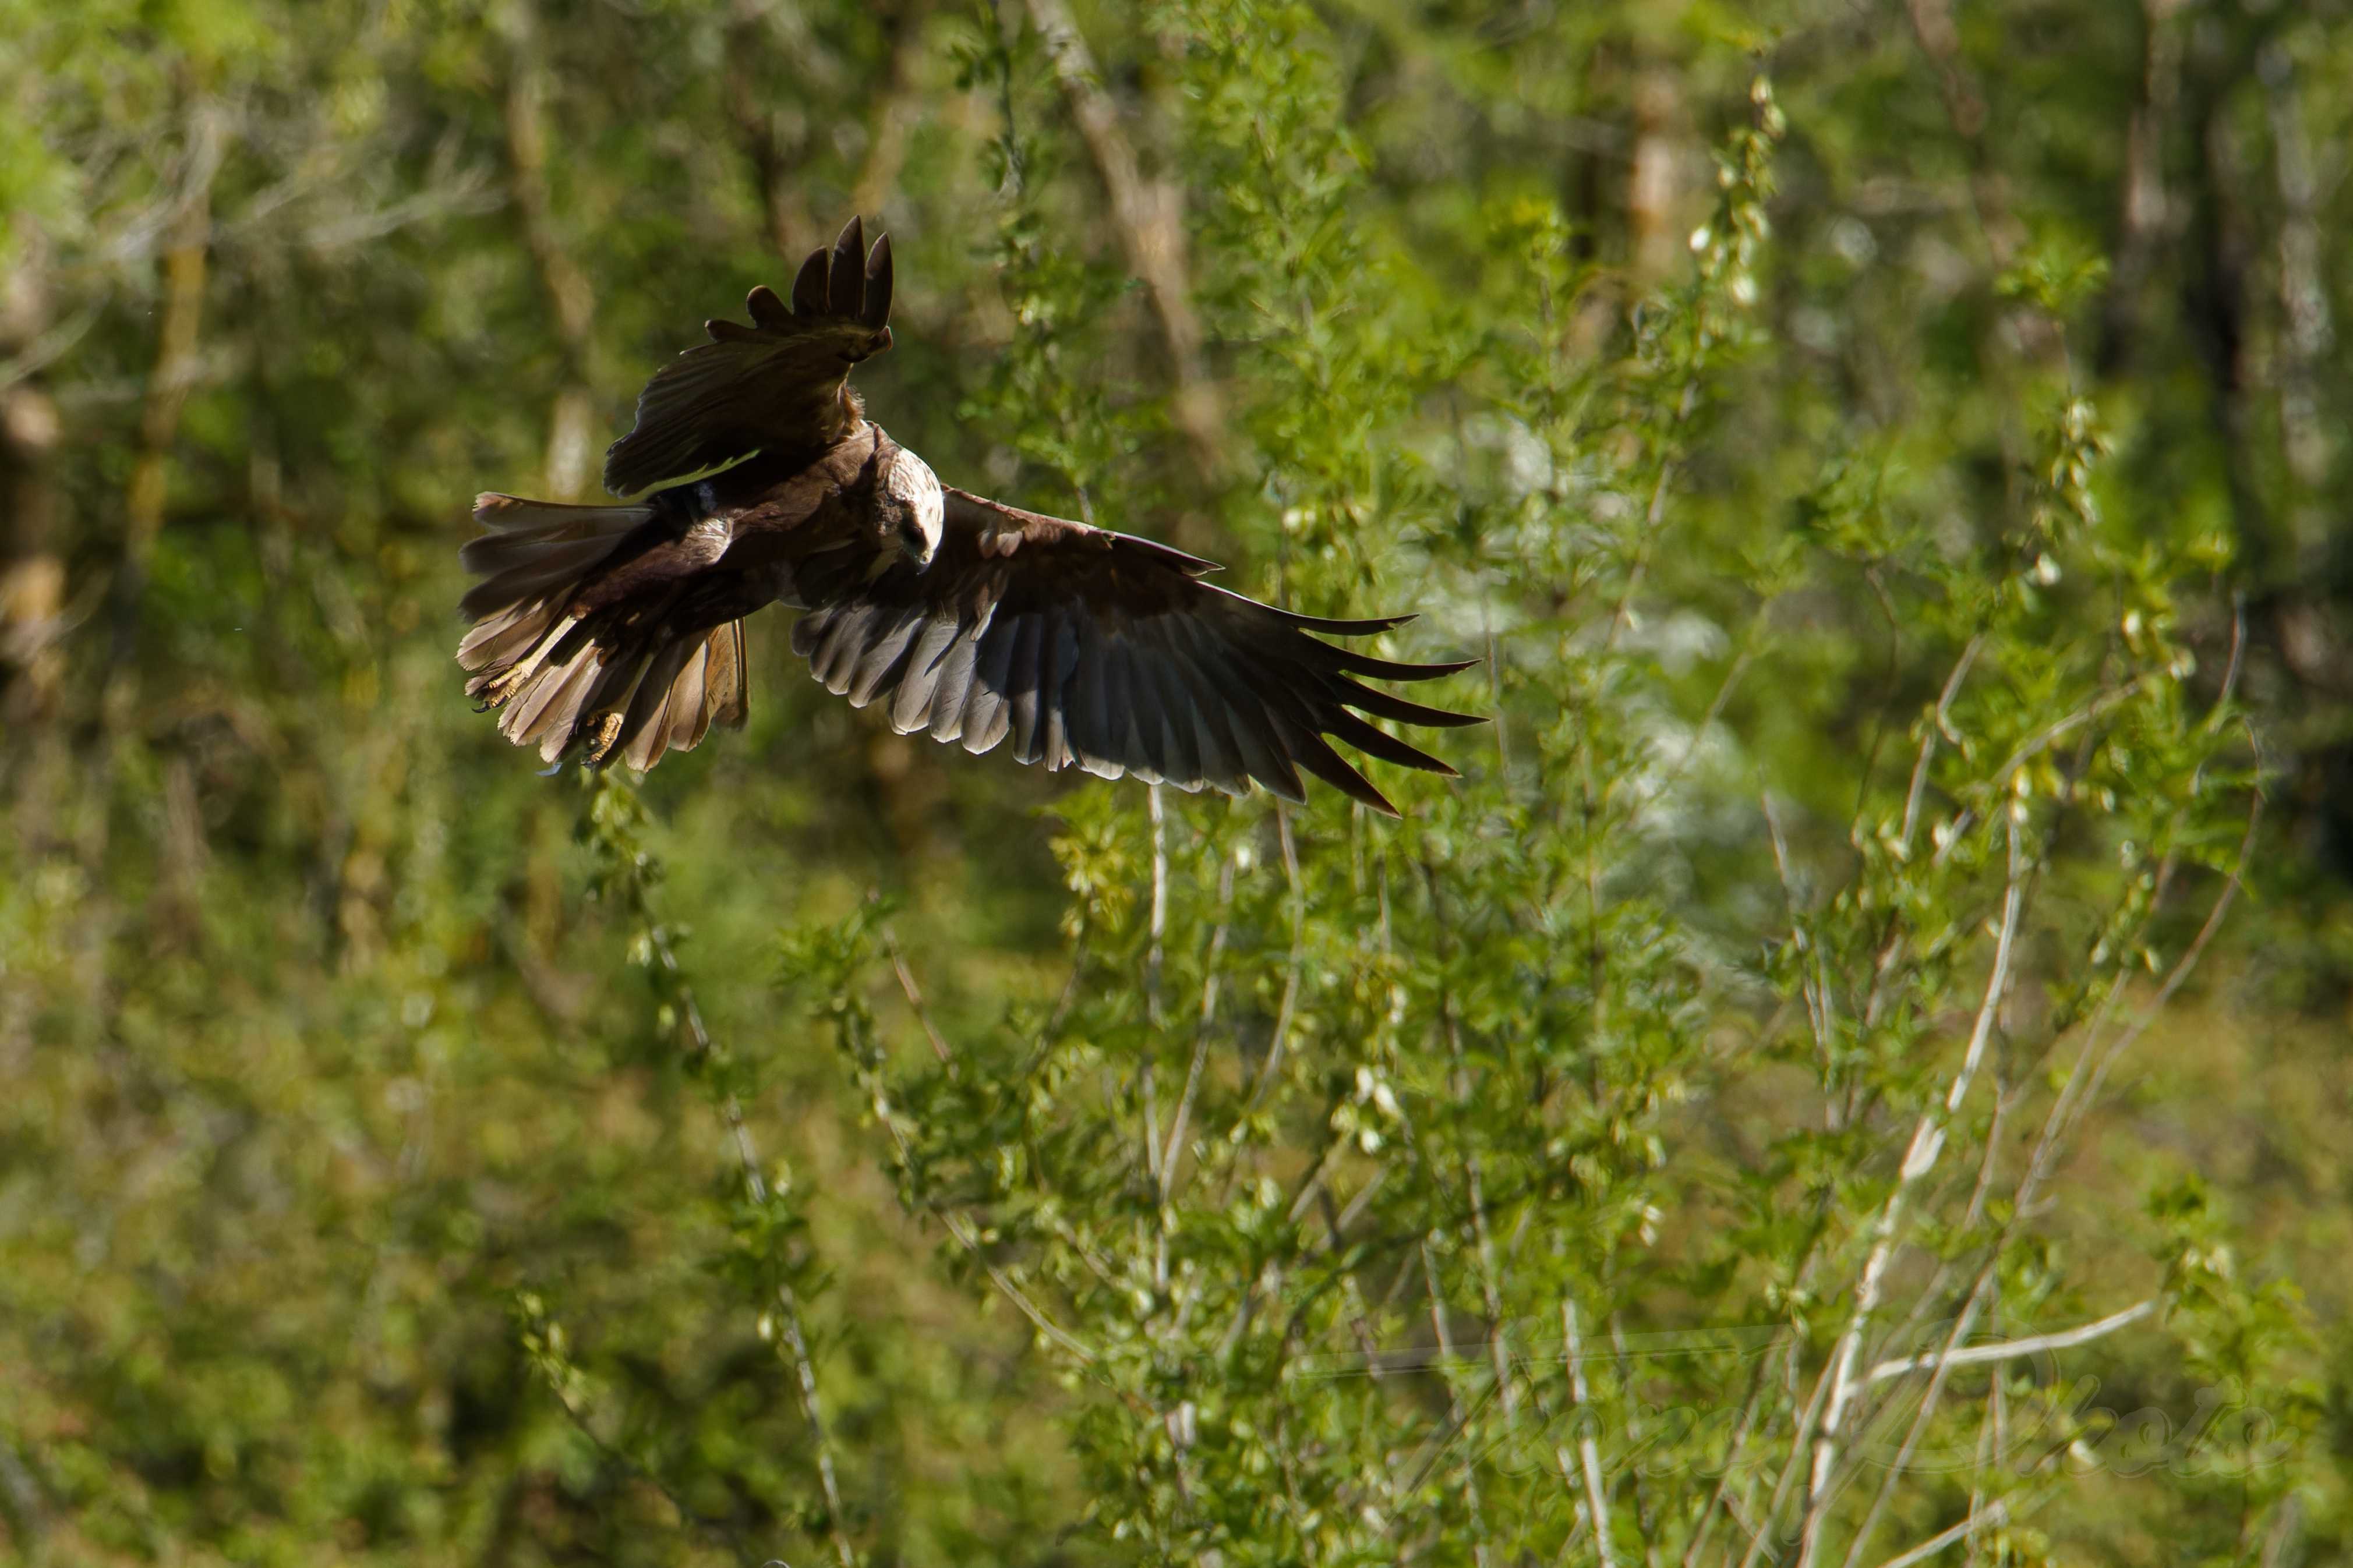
617, 631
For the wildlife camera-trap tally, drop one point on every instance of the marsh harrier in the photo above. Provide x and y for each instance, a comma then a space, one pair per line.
608, 632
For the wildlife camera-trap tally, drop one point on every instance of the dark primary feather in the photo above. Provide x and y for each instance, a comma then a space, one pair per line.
1093, 649
776, 385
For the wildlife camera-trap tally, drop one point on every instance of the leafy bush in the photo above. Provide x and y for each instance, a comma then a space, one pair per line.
1679, 1138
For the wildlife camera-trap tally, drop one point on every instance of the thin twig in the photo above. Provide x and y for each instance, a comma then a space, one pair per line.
914, 994
1761, 1542
1999, 782
1588, 1451
2220, 712
1919, 1159
1721, 1495
1154, 956
1201, 1030
1940, 1364
1984, 1518
1070, 992
571, 296
2007, 1350
1474, 1178
50, 347
1461, 1417
1152, 960
1940, 1369
1813, 979
896, 107
1715, 708
1283, 1013
1652, 516
185, 265
1149, 214
720, 1529
756, 1185
960, 1228
1939, 724
2065, 1112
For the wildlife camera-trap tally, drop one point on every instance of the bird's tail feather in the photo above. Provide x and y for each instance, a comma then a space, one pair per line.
530, 548
617, 682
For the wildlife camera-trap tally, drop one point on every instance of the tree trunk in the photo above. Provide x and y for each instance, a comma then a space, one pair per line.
32, 572
571, 442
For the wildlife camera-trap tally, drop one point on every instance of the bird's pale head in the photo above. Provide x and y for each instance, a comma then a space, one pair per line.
913, 510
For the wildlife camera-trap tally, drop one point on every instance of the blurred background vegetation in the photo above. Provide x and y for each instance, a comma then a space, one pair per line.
376, 1115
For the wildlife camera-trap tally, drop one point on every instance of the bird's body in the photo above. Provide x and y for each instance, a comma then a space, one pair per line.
617, 631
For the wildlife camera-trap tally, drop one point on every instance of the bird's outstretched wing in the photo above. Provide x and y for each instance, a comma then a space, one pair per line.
775, 385
1094, 649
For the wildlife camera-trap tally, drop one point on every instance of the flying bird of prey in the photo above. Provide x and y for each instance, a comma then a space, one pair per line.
608, 632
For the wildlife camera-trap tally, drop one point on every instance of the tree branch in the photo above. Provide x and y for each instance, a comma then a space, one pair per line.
895, 108
1976, 1356
1984, 1518
1919, 1158
571, 297
1149, 216
186, 257
32, 569
756, 1186
1588, 1452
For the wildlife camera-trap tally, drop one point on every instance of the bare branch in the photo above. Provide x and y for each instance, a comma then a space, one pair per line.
788, 1307
896, 107
785, 220
1720, 1497
1984, 1518
1588, 1452
571, 297
914, 993
1149, 216
1940, 724
1156, 931
1940, 1369
1976, 1356
1654, 516
1283, 1013
722, 1530
33, 614
2092, 1067
1176, 1124
1460, 1417
187, 249
1813, 981
1919, 1158
48, 348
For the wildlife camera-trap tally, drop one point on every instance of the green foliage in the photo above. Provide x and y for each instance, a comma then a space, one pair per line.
1353, 1145
1772, 1107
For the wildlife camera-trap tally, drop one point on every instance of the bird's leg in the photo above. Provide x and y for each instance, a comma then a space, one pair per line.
510, 681
608, 730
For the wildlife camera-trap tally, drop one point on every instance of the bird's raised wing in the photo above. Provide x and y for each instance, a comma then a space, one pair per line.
1097, 650
775, 385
